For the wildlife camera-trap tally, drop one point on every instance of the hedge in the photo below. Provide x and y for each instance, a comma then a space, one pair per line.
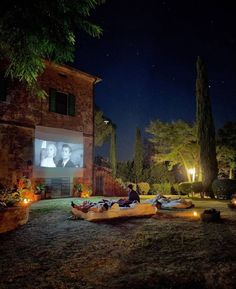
189, 187
224, 189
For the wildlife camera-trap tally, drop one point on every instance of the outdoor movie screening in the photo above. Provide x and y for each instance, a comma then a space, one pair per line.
58, 154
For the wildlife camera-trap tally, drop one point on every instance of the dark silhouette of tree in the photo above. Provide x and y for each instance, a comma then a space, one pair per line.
138, 156
113, 151
102, 127
205, 129
31, 31
226, 149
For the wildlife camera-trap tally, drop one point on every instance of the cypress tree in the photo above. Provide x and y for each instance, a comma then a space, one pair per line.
113, 151
138, 156
205, 129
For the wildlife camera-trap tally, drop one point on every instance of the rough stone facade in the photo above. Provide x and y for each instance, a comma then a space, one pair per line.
106, 185
22, 112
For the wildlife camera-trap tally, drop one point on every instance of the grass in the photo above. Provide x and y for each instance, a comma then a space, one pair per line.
165, 251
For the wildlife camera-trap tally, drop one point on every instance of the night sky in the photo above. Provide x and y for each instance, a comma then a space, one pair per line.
147, 58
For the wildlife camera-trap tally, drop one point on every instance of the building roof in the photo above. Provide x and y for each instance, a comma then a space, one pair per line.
71, 70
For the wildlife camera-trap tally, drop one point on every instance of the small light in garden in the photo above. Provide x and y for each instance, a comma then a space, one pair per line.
106, 121
84, 195
25, 201
195, 214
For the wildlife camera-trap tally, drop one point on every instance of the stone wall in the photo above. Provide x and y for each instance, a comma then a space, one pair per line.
16, 150
22, 112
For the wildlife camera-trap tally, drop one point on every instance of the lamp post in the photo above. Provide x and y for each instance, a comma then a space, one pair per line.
192, 173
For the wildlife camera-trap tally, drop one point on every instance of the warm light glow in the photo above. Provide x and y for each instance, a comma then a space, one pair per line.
195, 214
25, 201
192, 172
84, 195
234, 202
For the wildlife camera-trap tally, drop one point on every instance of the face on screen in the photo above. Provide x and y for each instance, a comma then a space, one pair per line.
56, 154
51, 152
66, 153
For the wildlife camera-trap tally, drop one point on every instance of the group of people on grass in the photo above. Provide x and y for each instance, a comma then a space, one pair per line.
103, 205
159, 201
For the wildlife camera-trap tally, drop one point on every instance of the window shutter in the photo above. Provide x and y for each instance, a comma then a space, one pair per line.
71, 105
3, 88
52, 100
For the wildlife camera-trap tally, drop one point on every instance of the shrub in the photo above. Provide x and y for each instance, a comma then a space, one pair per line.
190, 187
197, 187
224, 189
144, 188
163, 188
185, 188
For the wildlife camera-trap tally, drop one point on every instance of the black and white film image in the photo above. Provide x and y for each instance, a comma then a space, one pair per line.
51, 154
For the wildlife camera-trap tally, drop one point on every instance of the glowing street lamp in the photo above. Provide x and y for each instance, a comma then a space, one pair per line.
192, 173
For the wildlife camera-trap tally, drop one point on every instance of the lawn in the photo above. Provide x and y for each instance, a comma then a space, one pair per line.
169, 250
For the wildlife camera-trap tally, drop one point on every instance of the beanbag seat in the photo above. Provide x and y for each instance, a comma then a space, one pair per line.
135, 210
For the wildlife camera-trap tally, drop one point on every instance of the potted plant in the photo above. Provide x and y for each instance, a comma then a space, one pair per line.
14, 208
39, 191
78, 188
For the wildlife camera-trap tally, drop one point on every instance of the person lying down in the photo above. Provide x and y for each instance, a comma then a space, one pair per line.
101, 206
163, 202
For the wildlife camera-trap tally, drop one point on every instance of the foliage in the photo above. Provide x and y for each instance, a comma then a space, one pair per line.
185, 187
157, 173
12, 196
120, 181
197, 187
102, 129
144, 188
83, 189
9, 197
40, 188
25, 42
205, 128
78, 187
223, 189
226, 149
113, 152
138, 156
226, 157
227, 135
175, 142
101, 161
190, 187
125, 171
24, 188
162, 188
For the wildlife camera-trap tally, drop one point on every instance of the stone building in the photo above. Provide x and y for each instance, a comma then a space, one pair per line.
29, 125
105, 184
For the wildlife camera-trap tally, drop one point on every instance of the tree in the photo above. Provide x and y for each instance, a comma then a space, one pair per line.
176, 143
205, 129
31, 31
226, 149
125, 171
113, 152
102, 127
226, 157
138, 156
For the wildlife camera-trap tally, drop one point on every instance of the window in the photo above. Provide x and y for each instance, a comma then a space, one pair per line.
3, 87
62, 103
